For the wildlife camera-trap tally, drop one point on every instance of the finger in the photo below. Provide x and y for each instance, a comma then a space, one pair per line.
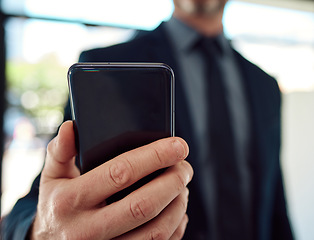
61, 151
170, 224
124, 170
179, 233
148, 201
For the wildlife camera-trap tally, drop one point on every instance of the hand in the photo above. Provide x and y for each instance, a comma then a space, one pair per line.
71, 206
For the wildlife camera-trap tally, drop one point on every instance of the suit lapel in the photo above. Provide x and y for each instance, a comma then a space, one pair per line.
265, 124
254, 163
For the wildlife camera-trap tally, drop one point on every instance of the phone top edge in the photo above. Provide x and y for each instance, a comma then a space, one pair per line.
90, 65
118, 64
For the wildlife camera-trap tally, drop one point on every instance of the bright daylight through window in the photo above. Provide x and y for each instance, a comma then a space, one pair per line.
42, 47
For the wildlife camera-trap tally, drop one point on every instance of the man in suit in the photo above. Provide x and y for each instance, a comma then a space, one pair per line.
237, 196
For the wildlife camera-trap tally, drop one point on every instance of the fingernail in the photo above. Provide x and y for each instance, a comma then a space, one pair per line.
179, 148
190, 174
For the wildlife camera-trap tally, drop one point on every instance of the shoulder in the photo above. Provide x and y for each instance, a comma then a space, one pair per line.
254, 73
111, 53
132, 50
261, 86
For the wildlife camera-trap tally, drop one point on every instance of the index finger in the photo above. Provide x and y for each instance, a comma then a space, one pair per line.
124, 170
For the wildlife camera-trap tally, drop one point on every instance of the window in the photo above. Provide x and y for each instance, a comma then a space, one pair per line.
44, 38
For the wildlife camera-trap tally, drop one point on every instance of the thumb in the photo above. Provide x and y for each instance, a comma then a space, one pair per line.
61, 152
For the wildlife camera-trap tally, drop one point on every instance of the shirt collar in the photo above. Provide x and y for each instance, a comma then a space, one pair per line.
182, 35
186, 37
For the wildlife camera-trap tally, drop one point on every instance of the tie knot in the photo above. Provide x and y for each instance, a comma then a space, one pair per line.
210, 45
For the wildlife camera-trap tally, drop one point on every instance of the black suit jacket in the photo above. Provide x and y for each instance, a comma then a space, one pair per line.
269, 206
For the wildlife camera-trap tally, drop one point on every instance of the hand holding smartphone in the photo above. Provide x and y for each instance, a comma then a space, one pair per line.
117, 107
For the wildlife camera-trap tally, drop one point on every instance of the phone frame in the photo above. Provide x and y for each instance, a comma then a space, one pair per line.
95, 66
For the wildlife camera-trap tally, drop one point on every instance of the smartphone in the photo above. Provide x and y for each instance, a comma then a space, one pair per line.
117, 107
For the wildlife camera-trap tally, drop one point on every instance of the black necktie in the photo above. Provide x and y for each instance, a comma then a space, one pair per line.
229, 206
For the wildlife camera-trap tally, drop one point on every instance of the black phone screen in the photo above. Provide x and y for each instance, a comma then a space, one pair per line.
119, 107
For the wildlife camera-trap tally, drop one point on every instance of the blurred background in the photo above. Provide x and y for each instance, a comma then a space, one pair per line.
41, 39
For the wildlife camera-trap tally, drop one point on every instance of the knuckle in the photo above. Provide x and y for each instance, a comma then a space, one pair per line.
64, 202
183, 204
142, 209
60, 206
179, 233
76, 200
180, 181
158, 157
184, 199
120, 173
163, 152
50, 147
74, 234
159, 234
166, 154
